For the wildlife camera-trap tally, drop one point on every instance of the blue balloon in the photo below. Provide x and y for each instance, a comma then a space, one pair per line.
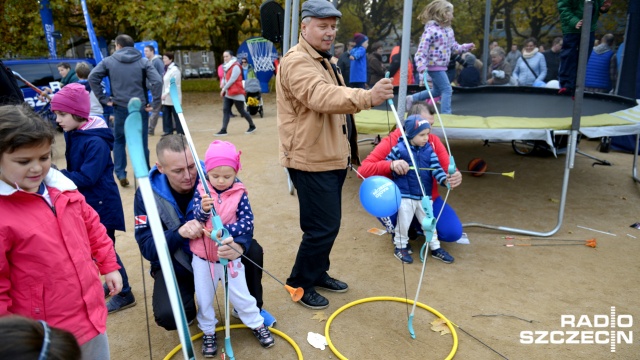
380, 196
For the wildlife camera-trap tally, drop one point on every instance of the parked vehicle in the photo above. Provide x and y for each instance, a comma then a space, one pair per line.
191, 73
41, 73
205, 72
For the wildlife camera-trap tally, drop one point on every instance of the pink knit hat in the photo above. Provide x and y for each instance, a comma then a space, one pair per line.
72, 99
221, 153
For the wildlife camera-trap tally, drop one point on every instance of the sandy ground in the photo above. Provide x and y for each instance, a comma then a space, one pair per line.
491, 291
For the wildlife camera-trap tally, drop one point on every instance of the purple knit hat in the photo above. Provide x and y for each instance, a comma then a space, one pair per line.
72, 99
360, 39
222, 153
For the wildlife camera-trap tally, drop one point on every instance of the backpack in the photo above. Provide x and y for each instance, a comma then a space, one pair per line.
10, 93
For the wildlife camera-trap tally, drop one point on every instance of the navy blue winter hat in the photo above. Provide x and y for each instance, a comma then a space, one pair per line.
414, 124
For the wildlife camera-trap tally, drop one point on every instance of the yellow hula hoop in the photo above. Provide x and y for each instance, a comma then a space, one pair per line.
240, 326
454, 335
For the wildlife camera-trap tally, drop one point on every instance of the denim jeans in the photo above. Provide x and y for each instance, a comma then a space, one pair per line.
441, 87
119, 151
568, 71
126, 288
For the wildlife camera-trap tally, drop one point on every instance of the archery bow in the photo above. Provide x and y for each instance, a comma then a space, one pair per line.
428, 223
429, 228
219, 231
296, 293
133, 133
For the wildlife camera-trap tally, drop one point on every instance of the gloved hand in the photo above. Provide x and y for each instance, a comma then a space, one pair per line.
498, 74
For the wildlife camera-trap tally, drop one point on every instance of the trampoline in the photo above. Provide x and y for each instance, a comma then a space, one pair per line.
505, 113
508, 113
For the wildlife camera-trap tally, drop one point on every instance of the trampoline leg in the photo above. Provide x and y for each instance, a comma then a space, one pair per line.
598, 161
634, 170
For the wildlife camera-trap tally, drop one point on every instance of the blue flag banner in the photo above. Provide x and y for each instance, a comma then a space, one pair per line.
47, 23
95, 45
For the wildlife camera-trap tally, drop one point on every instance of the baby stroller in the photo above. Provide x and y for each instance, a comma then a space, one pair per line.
253, 97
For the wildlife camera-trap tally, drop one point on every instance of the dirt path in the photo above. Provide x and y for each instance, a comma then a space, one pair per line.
489, 291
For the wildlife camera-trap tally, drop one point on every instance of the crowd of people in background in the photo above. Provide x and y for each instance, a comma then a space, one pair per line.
87, 209
526, 65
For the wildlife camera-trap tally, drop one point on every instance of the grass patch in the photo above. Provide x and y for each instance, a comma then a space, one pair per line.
201, 85
212, 85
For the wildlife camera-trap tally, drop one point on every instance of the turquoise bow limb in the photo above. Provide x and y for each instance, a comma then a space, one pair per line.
227, 324
133, 133
219, 232
429, 228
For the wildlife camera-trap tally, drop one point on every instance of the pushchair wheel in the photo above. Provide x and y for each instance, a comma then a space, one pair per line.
261, 112
524, 147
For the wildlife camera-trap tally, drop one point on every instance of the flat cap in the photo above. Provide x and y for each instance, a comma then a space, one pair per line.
319, 9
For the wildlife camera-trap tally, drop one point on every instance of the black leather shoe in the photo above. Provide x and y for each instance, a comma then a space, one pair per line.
312, 300
331, 284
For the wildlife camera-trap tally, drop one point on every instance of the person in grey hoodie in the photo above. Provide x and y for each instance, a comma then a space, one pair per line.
156, 61
130, 74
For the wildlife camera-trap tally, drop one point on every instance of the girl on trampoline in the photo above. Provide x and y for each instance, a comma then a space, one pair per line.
436, 45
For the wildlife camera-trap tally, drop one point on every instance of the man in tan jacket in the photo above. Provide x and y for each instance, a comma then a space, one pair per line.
318, 141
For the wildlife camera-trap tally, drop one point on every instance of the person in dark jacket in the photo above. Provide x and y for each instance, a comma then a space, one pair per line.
68, 74
469, 76
552, 57
130, 74
88, 153
375, 67
173, 181
344, 63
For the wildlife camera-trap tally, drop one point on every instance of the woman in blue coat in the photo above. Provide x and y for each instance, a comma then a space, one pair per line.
531, 68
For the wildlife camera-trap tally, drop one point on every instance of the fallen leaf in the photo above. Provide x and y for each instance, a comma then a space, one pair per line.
439, 325
554, 200
320, 316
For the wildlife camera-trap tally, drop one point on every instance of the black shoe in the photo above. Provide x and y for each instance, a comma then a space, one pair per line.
331, 284
209, 346
312, 300
124, 182
263, 335
120, 302
250, 130
221, 133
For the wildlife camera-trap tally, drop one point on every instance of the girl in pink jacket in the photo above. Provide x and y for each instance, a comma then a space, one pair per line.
53, 248
230, 201
434, 51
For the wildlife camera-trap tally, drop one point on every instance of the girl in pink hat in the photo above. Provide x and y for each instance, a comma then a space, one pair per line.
230, 201
90, 167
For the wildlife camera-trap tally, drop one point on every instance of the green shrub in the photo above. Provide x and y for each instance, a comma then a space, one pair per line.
201, 85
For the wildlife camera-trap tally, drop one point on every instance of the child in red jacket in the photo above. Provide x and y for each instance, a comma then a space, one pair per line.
52, 245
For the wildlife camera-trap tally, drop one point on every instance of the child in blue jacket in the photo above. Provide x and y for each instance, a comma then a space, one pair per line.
89, 165
358, 56
417, 131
